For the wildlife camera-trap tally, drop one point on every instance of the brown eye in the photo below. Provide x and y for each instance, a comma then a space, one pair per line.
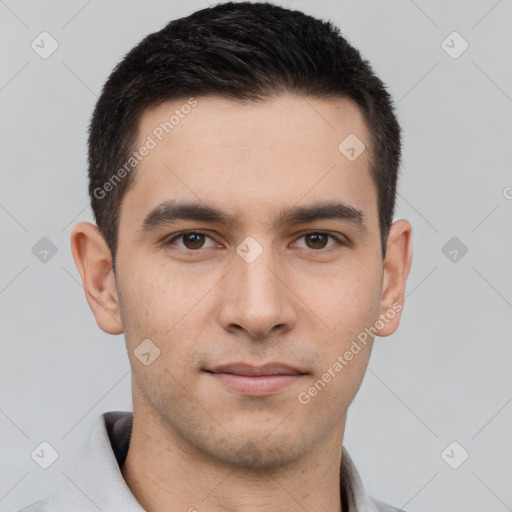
191, 240
318, 240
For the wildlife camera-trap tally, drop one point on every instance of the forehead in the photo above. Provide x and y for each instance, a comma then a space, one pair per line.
226, 122
253, 157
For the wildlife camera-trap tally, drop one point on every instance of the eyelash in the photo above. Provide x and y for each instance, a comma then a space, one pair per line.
181, 234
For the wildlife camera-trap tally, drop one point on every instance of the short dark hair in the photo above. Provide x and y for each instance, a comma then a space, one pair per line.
242, 51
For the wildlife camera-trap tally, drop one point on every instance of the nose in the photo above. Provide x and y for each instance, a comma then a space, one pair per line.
258, 297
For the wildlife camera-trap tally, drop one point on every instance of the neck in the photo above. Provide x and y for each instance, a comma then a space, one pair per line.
166, 473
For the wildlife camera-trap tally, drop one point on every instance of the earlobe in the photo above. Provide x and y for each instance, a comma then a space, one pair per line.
397, 264
94, 263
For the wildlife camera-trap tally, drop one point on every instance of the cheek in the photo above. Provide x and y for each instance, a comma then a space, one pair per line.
349, 301
331, 391
150, 297
141, 301
163, 306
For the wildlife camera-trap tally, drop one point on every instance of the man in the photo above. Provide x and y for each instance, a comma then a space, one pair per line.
243, 166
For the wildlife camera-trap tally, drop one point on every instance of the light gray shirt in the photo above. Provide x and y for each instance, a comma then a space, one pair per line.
96, 483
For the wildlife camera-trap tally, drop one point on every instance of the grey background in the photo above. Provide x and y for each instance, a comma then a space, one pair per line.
444, 376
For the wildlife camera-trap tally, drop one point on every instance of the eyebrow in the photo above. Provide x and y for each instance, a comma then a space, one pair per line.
171, 211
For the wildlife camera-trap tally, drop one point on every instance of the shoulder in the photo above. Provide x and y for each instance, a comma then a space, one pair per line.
38, 506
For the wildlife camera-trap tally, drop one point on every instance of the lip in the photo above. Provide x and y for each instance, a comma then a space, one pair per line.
240, 368
250, 380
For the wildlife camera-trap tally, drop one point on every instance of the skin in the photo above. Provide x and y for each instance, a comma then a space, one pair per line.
302, 302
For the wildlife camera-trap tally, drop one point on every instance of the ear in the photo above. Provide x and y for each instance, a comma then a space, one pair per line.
94, 262
397, 264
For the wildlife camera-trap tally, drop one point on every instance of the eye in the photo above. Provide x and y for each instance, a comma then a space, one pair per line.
195, 240
192, 240
318, 240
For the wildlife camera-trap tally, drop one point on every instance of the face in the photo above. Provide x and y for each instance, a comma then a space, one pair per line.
259, 275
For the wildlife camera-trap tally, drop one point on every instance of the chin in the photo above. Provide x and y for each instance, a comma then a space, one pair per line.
259, 452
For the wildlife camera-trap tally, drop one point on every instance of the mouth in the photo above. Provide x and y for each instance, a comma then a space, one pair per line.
250, 380
257, 371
